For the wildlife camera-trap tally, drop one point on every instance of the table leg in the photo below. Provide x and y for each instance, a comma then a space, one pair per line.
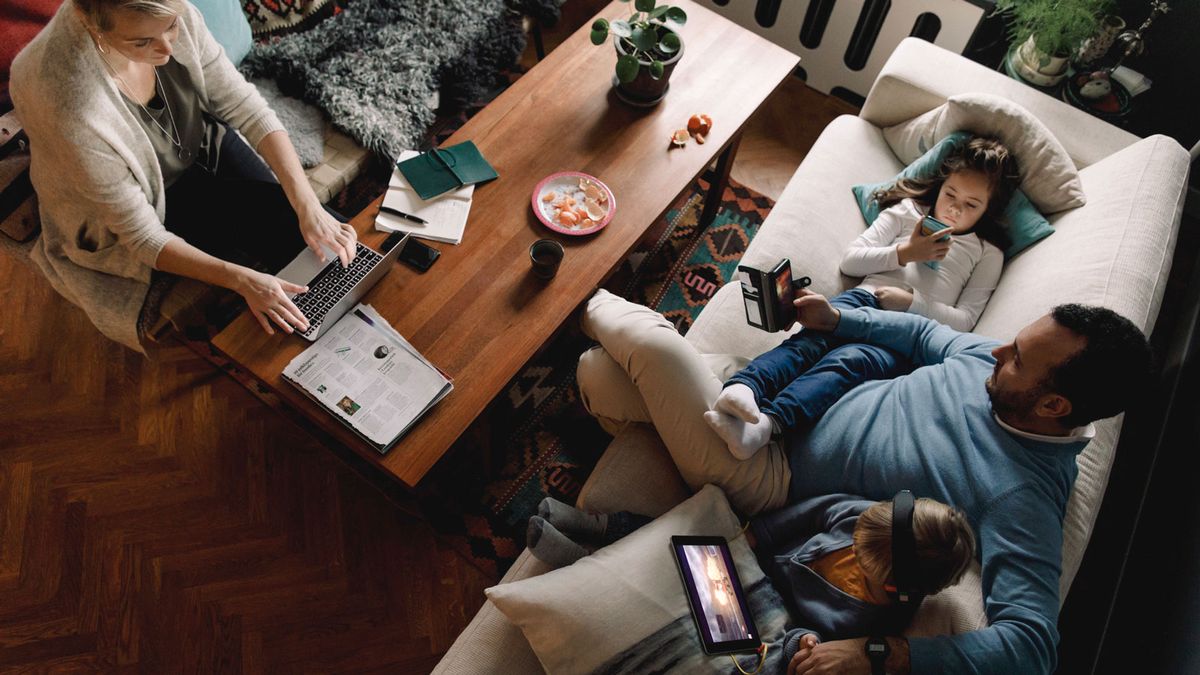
719, 181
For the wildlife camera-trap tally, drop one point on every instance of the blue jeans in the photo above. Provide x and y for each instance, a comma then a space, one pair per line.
238, 212
804, 376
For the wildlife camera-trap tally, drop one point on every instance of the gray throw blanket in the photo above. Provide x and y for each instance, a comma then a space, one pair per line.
374, 67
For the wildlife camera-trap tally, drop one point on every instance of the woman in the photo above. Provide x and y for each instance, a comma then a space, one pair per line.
126, 104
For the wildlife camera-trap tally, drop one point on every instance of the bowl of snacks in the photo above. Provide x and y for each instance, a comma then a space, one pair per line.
572, 202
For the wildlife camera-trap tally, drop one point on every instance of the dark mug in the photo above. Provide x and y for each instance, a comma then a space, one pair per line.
545, 254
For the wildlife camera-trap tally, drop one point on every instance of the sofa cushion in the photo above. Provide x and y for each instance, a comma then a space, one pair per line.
1022, 222
1048, 176
631, 590
228, 25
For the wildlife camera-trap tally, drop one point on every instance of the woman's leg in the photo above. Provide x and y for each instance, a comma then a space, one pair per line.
676, 386
806, 399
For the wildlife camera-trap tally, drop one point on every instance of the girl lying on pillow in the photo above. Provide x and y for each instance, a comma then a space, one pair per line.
829, 557
948, 279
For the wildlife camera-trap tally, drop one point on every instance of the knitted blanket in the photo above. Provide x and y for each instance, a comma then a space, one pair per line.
374, 67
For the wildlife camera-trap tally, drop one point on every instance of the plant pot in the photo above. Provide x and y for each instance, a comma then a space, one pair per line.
1037, 67
1095, 47
644, 90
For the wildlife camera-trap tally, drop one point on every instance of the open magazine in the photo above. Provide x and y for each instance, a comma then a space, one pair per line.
369, 376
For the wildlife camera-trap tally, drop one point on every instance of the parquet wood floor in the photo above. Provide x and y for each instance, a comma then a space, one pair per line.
156, 517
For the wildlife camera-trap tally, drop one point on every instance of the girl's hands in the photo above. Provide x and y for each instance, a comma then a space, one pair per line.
895, 299
268, 299
318, 227
922, 247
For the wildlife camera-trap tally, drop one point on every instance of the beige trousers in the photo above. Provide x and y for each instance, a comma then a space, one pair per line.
645, 371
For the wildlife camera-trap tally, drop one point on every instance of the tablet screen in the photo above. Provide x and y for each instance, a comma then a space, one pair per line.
715, 594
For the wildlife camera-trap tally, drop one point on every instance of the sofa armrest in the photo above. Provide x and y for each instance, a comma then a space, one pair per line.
920, 76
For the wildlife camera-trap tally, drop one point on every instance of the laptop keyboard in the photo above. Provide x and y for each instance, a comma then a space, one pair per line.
332, 284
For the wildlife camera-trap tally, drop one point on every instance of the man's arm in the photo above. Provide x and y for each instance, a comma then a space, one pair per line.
1021, 543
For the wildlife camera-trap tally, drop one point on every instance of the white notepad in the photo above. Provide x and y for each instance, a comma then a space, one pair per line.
446, 214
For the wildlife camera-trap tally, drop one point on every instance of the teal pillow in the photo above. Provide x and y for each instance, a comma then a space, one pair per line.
1022, 222
228, 25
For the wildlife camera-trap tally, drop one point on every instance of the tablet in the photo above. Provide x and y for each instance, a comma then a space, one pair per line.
715, 595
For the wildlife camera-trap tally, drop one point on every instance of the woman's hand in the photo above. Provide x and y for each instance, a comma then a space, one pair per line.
268, 299
922, 247
895, 299
318, 227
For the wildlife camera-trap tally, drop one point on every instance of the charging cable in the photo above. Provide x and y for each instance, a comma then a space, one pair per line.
762, 659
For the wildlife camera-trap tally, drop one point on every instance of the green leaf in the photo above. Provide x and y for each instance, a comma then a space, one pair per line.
658, 11
669, 43
599, 36
677, 15
627, 68
601, 24
656, 69
644, 5
622, 29
644, 39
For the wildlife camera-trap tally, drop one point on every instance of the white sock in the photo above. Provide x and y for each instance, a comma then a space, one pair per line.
738, 400
744, 439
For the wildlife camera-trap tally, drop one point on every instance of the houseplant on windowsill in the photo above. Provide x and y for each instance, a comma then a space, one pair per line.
1046, 33
648, 48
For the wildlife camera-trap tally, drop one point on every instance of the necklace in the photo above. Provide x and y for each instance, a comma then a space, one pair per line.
173, 135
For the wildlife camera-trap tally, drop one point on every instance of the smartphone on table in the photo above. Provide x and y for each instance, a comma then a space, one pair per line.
419, 255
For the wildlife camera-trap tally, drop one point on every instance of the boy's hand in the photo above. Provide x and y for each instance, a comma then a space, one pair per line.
813, 311
895, 299
807, 642
922, 247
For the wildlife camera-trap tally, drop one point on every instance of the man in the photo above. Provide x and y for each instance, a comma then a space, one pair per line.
991, 429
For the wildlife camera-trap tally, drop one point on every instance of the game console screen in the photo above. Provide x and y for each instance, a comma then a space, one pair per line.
713, 588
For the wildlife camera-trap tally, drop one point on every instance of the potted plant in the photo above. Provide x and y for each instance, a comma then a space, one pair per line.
648, 47
1045, 33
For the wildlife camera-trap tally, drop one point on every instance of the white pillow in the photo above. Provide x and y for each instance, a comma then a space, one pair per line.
623, 608
1048, 176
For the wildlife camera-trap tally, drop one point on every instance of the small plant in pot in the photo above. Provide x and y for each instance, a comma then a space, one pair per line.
648, 47
1046, 33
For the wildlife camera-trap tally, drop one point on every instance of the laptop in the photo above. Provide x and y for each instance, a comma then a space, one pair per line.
332, 289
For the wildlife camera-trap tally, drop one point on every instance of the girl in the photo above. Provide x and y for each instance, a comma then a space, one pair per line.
126, 103
905, 270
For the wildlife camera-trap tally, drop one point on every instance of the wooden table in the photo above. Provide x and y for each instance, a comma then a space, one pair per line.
480, 314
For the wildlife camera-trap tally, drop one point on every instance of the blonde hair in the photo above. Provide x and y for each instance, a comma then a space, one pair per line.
99, 12
945, 543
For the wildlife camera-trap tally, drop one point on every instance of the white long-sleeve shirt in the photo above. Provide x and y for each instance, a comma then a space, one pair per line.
954, 294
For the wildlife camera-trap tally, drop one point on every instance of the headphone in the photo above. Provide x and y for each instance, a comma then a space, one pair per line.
905, 588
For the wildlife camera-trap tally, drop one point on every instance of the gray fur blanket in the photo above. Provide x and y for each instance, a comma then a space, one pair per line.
373, 67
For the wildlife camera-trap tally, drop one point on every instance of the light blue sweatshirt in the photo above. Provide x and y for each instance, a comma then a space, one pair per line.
933, 432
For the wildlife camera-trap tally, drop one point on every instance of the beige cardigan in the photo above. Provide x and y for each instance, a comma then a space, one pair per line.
98, 181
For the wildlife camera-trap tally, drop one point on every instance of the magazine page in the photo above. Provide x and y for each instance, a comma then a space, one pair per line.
369, 376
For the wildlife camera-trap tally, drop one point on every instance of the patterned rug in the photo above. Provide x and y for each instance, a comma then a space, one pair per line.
537, 439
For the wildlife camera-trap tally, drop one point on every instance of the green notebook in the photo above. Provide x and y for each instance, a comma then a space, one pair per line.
444, 169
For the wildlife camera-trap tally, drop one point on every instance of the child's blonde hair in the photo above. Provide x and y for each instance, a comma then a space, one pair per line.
982, 154
99, 12
945, 543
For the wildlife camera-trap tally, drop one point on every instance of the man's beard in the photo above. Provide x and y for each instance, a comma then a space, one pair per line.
1012, 405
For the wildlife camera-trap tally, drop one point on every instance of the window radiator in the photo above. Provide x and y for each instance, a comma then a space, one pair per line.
843, 44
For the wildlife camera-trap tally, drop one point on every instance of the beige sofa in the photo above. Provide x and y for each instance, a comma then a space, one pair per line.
1114, 251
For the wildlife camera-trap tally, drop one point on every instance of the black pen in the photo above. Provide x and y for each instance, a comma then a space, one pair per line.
406, 216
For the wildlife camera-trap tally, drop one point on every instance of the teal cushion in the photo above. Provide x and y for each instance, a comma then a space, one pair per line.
228, 25
1022, 222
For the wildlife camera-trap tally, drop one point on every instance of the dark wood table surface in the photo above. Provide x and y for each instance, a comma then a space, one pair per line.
479, 313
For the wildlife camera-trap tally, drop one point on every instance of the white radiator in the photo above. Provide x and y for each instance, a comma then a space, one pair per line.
842, 44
